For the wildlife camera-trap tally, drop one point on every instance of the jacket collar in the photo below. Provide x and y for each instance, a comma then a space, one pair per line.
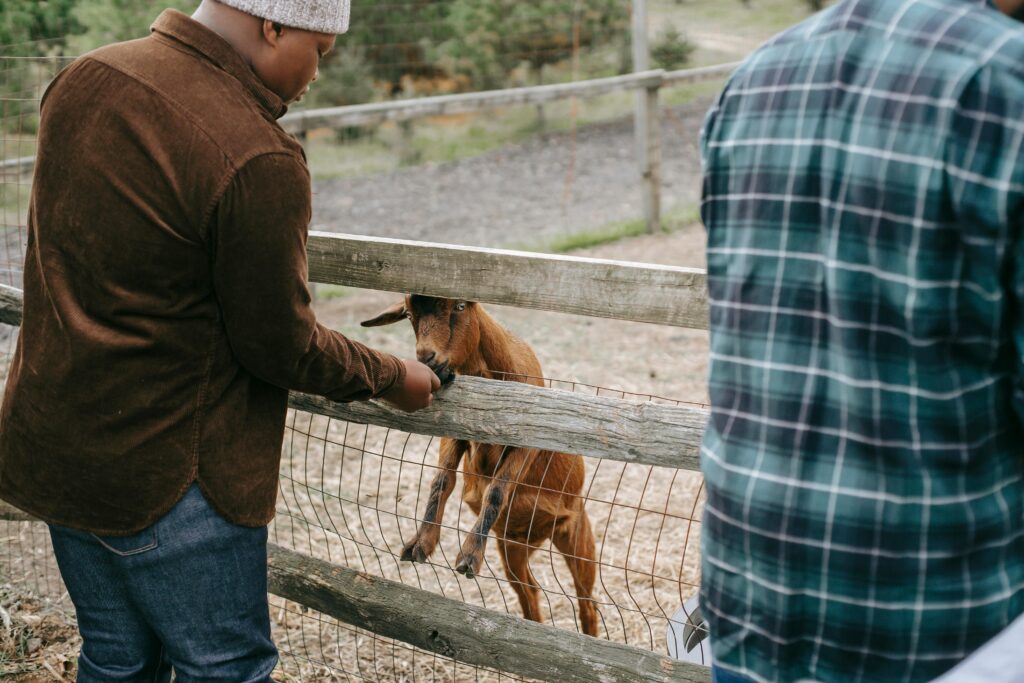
181, 28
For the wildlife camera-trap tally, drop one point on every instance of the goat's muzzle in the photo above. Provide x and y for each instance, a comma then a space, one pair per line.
441, 369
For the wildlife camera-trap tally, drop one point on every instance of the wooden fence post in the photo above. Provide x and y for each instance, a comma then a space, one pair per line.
407, 152
647, 124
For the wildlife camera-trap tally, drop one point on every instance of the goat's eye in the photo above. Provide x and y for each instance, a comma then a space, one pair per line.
461, 306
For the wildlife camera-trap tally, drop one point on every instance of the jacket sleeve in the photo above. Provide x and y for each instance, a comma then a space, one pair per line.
258, 234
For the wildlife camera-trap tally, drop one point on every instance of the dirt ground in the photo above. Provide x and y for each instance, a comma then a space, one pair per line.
527, 193
38, 638
353, 494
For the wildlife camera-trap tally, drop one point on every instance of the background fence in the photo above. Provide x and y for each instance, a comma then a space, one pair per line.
430, 144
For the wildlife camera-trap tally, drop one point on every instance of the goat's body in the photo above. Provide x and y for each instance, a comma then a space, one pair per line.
544, 495
542, 503
525, 496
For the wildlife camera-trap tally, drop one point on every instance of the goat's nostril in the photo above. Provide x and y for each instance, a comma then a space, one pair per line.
425, 358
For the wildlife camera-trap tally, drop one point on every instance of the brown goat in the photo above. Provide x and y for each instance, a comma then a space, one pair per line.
526, 495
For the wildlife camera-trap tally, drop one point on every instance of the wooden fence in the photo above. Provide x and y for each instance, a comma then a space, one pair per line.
598, 427
405, 110
647, 115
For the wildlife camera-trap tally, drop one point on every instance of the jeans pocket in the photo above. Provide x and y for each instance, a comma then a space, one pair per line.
130, 545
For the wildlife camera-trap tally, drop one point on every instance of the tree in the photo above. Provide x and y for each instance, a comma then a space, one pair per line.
395, 37
490, 38
671, 50
110, 21
345, 78
23, 22
30, 28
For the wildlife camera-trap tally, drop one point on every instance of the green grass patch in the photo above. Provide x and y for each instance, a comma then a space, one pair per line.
329, 292
329, 158
15, 192
613, 232
673, 96
443, 140
676, 218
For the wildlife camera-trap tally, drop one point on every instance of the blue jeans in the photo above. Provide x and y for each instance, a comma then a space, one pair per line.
189, 592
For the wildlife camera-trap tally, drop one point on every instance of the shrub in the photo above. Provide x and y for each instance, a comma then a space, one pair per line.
345, 78
491, 38
672, 50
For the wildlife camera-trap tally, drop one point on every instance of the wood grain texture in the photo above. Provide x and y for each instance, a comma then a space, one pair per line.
470, 634
667, 295
467, 633
515, 414
16, 165
596, 287
703, 73
10, 305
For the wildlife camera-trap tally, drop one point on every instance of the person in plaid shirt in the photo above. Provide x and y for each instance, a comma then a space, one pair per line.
864, 460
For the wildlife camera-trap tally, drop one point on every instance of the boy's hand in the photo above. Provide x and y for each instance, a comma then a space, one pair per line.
416, 391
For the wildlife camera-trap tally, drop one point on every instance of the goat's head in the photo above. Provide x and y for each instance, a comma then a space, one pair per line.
447, 331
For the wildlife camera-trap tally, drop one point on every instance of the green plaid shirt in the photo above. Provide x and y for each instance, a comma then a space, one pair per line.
864, 461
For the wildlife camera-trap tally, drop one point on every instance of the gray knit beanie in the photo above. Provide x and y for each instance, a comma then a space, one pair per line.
322, 16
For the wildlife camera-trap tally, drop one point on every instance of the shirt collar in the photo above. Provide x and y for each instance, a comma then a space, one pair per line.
185, 30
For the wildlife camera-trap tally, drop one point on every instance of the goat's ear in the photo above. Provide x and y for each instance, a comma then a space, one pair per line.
387, 316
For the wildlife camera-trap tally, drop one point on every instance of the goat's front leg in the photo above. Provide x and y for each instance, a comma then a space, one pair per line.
425, 542
495, 497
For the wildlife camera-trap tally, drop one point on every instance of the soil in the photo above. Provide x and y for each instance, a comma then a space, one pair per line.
352, 494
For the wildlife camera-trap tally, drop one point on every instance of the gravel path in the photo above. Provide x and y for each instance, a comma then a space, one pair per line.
521, 194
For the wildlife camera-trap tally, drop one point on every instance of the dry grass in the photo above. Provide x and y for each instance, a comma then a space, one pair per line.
38, 638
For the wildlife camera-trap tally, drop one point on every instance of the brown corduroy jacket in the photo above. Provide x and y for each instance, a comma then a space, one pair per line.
166, 309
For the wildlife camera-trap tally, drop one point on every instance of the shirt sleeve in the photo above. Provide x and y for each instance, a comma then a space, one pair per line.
704, 140
984, 169
258, 234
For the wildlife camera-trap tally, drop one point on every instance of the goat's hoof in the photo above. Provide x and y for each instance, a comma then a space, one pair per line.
414, 552
466, 566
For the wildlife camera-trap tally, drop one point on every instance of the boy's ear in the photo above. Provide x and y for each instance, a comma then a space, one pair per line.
272, 32
388, 316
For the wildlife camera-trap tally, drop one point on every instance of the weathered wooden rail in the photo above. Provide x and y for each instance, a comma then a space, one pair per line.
601, 427
494, 411
16, 165
467, 633
462, 103
301, 122
646, 83
664, 295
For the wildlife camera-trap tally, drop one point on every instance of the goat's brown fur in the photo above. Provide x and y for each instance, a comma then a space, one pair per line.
525, 495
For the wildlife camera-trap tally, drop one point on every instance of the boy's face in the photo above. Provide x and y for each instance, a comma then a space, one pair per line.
289, 59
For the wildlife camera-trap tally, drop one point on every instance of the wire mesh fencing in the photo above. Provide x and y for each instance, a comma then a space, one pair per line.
22, 82
26, 559
354, 494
